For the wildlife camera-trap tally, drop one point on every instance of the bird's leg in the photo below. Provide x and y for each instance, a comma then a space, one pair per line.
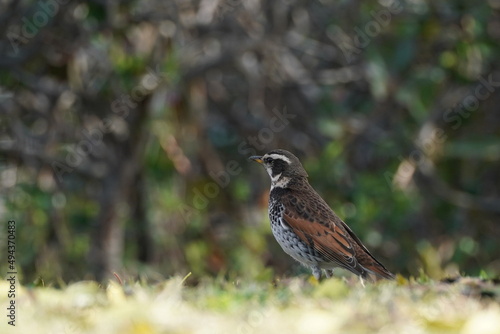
362, 281
328, 273
316, 273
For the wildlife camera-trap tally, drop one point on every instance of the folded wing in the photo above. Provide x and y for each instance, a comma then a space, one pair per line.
331, 237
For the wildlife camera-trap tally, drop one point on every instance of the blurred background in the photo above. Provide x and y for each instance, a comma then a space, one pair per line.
126, 126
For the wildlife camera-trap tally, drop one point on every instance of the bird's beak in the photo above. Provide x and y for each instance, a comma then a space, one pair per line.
256, 158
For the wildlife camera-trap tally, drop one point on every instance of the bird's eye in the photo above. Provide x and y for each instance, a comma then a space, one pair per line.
268, 160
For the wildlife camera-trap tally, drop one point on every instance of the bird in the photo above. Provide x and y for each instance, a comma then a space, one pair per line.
307, 228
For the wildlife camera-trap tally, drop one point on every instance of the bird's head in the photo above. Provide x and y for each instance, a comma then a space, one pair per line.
282, 166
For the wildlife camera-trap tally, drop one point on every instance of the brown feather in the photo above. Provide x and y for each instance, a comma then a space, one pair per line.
327, 233
333, 246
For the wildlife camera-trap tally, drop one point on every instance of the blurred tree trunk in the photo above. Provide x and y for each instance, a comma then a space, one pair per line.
121, 197
140, 226
106, 249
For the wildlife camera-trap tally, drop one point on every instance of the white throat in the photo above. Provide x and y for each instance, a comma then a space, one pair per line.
278, 181
275, 177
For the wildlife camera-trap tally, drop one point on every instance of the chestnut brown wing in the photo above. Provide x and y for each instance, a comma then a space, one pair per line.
316, 224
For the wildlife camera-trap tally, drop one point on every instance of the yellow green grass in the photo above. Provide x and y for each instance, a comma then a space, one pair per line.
295, 305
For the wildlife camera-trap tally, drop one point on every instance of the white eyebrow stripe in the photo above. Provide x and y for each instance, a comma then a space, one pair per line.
279, 156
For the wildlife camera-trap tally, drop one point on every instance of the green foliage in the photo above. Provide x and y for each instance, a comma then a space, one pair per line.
358, 125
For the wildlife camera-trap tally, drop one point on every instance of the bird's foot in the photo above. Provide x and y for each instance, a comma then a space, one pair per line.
361, 279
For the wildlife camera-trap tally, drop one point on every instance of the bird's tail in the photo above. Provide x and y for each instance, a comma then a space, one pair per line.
379, 270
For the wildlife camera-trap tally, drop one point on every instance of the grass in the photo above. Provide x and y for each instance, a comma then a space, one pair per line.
295, 305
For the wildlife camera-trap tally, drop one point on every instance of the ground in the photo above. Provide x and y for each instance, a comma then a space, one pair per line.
294, 305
